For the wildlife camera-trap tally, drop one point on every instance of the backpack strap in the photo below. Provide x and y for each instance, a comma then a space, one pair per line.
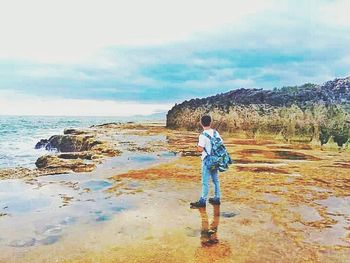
207, 135
210, 138
206, 151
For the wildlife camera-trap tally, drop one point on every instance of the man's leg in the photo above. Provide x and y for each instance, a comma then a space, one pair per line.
215, 178
205, 183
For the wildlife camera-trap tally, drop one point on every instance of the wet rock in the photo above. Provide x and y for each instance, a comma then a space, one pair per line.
53, 162
71, 143
41, 144
74, 147
77, 143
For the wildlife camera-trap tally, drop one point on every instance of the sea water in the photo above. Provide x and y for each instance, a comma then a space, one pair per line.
19, 134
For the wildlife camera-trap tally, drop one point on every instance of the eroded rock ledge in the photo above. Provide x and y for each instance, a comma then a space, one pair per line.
75, 150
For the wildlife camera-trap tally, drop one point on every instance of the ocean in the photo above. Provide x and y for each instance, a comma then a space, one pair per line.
19, 134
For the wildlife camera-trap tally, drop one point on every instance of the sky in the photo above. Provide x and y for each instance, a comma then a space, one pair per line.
123, 58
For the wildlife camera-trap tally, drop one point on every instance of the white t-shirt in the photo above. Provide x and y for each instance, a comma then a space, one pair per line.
205, 142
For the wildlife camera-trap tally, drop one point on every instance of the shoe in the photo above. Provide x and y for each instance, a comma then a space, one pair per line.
212, 232
210, 242
197, 204
214, 201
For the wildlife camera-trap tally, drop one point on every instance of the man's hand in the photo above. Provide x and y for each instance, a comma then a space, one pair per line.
200, 149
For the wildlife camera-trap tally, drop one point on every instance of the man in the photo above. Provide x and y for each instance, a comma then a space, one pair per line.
204, 146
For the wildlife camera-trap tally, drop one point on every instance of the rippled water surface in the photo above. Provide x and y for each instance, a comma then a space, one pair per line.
19, 134
39, 212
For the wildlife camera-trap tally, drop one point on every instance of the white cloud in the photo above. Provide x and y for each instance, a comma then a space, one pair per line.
335, 13
66, 30
17, 104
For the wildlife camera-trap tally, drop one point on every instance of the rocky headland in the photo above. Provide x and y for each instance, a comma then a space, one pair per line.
309, 113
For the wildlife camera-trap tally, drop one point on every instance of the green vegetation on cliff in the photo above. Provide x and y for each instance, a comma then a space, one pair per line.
313, 113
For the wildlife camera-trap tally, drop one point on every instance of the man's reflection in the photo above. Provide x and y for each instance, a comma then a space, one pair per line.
211, 250
209, 233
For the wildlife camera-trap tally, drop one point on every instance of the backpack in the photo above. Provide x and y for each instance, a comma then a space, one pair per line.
218, 159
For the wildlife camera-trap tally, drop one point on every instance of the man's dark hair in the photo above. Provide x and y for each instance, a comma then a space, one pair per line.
206, 120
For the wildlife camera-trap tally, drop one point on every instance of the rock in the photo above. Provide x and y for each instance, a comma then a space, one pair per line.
41, 144
105, 149
336, 91
71, 143
74, 148
190, 153
53, 162
79, 155
107, 125
295, 113
43, 161
74, 131
15, 173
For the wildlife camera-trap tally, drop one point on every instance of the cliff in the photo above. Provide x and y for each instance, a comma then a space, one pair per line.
309, 112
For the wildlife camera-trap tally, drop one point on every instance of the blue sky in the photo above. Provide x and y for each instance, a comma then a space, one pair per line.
155, 54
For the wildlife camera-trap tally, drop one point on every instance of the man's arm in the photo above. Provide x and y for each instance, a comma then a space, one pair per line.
201, 143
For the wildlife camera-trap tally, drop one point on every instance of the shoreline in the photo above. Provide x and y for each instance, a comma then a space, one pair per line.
281, 203
70, 158
58, 162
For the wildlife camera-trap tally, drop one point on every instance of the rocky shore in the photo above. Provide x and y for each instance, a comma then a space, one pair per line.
284, 202
74, 151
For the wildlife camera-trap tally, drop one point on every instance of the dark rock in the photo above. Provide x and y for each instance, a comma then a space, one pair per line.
79, 155
70, 143
43, 161
41, 144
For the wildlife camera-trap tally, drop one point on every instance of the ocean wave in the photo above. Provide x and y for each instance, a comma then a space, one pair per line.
19, 134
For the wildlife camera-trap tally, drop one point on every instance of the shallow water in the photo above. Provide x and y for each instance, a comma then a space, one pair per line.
41, 211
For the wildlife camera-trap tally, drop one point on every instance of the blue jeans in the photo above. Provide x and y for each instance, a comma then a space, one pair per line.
206, 175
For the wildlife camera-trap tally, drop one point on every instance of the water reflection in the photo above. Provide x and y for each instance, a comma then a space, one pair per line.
211, 250
209, 232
